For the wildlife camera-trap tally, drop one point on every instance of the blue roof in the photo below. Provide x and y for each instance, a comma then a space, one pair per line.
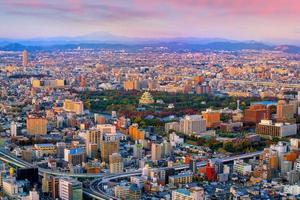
76, 151
184, 191
44, 145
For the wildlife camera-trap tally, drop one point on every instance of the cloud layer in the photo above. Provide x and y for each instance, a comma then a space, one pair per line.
236, 19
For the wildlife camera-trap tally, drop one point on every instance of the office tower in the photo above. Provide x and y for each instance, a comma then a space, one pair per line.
255, 113
70, 189
266, 127
106, 128
166, 148
285, 112
92, 150
73, 106
192, 124
156, 152
182, 178
30, 174
137, 150
13, 129
210, 172
131, 85
171, 126
135, 133
241, 168
193, 165
115, 163
121, 192
24, 58
211, 117
60, 149
108, 148
134, 192
74, 156
36, 125
94, 136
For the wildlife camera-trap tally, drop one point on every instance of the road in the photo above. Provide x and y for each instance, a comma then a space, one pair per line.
95, 190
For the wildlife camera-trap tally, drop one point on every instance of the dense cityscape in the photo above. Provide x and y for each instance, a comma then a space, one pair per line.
117, 124
149, 100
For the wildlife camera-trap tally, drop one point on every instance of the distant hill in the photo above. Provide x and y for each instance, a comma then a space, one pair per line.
179, 45
287, 48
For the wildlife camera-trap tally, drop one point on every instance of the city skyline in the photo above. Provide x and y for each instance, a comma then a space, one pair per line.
273, 21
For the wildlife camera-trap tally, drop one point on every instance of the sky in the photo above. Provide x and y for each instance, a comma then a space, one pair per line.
263, 20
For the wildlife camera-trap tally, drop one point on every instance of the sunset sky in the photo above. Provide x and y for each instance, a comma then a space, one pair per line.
232, 19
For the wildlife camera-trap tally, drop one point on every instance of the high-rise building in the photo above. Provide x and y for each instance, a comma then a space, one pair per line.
241, 168
135, 133
285, 112
134, 192
255, 113
211, 117
94, 136
74, 156
115, 163
70, 189
156, 152
106, 128
182, 178
108, 148
92, 150
60, 149
266, 127
193, 165
192, 124
36, 125
24, 58
73, 106
121, 192
131, 85
138, 150
13, 129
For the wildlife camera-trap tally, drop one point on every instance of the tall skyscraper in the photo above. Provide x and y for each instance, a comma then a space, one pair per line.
36, 125
116, 163
109, 147
156, 151
24, 58
285, 112
13, 129
70, 189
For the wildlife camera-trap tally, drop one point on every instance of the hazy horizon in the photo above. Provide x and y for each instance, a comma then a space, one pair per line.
265, 21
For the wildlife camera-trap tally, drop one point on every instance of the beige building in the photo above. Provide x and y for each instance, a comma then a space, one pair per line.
116, 163
73, 106
195, 193
192, 124
121, 192
36, 125
156, 152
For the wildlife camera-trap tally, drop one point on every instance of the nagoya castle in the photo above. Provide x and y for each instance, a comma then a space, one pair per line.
146, 98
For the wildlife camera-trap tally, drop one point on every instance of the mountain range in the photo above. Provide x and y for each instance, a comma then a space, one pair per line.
107, 41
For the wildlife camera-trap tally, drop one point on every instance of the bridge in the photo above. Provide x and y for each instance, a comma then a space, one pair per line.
96, 190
